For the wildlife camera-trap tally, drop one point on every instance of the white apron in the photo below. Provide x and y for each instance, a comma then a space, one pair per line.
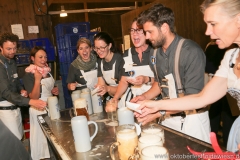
137, 71
195, 125
90, 77
38, 141
109, 77
12, 119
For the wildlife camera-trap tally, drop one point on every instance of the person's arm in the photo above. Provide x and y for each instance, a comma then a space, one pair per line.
35, 93
7, 90
104, 88
122, 87
213, 91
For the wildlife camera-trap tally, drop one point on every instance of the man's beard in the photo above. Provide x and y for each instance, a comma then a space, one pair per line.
159, 42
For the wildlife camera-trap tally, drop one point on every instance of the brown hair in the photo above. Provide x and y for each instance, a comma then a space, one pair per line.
231, 7
83, 40
34, 50
8, 37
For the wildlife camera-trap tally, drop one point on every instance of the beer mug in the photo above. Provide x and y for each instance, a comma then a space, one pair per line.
53, 107
155, 152
153, 128
127, 141
80, 108
75, 95
82, 139
149, 140
125, 116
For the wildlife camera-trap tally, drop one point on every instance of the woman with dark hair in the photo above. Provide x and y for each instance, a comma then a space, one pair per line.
111, 66
82, 71
39, 83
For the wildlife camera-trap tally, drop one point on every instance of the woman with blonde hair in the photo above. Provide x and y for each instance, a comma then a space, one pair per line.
223, 25
82, 71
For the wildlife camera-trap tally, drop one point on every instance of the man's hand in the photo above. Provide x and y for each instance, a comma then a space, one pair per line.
38, 103
148, 118
24, 93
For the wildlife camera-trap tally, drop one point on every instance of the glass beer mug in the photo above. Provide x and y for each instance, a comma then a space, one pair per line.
154, 129
127, 141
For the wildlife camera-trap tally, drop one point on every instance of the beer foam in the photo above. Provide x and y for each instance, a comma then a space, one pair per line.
151, 151
152, 130
126, 134
149, 139
80, 103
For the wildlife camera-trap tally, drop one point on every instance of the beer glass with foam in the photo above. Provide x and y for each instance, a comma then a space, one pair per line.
154, 153
80, 108
153, 128
127, 141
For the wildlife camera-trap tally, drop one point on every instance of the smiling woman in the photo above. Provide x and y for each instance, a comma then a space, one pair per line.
83, 69
111, 66
39, 83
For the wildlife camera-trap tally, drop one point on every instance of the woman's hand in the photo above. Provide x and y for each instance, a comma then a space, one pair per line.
37, 75
72, 86
102, 90
55, 91
147, 107
139, 80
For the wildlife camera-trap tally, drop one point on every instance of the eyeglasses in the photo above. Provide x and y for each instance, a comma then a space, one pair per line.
100, 49
138, 31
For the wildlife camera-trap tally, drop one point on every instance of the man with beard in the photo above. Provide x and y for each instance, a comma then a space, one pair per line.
137, 72
158, 23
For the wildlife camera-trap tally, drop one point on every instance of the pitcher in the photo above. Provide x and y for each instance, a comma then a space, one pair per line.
81, 135
127, 140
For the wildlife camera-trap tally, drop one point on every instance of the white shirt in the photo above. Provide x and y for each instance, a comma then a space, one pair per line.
226, 71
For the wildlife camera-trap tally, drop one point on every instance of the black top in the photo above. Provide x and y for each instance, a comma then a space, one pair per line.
118, 58
145, 57
10, 85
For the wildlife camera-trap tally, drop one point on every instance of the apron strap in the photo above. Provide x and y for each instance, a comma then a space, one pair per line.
155, 69
176, 69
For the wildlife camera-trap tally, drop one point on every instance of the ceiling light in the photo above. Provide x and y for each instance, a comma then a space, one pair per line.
63, 13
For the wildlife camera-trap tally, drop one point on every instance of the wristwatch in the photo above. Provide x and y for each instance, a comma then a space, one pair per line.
149, 81
162, 112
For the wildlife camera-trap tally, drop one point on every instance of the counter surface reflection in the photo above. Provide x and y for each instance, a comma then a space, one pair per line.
59, 134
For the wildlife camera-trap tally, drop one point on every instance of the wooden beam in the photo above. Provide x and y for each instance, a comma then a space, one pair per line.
86, 13
95, 1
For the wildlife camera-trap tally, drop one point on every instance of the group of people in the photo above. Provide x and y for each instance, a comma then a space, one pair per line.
164, 72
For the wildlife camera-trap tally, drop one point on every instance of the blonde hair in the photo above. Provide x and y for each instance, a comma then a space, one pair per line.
83, 40
231, 7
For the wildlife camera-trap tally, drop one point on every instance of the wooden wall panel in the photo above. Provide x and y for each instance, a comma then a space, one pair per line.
17, 12
188, 19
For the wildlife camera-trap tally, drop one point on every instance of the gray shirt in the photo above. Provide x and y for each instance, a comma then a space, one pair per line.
191, 65
10, 85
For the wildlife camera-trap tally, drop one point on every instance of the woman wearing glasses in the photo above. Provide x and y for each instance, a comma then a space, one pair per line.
39, 83
111, 65
137, 70
82, 71
223, 25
